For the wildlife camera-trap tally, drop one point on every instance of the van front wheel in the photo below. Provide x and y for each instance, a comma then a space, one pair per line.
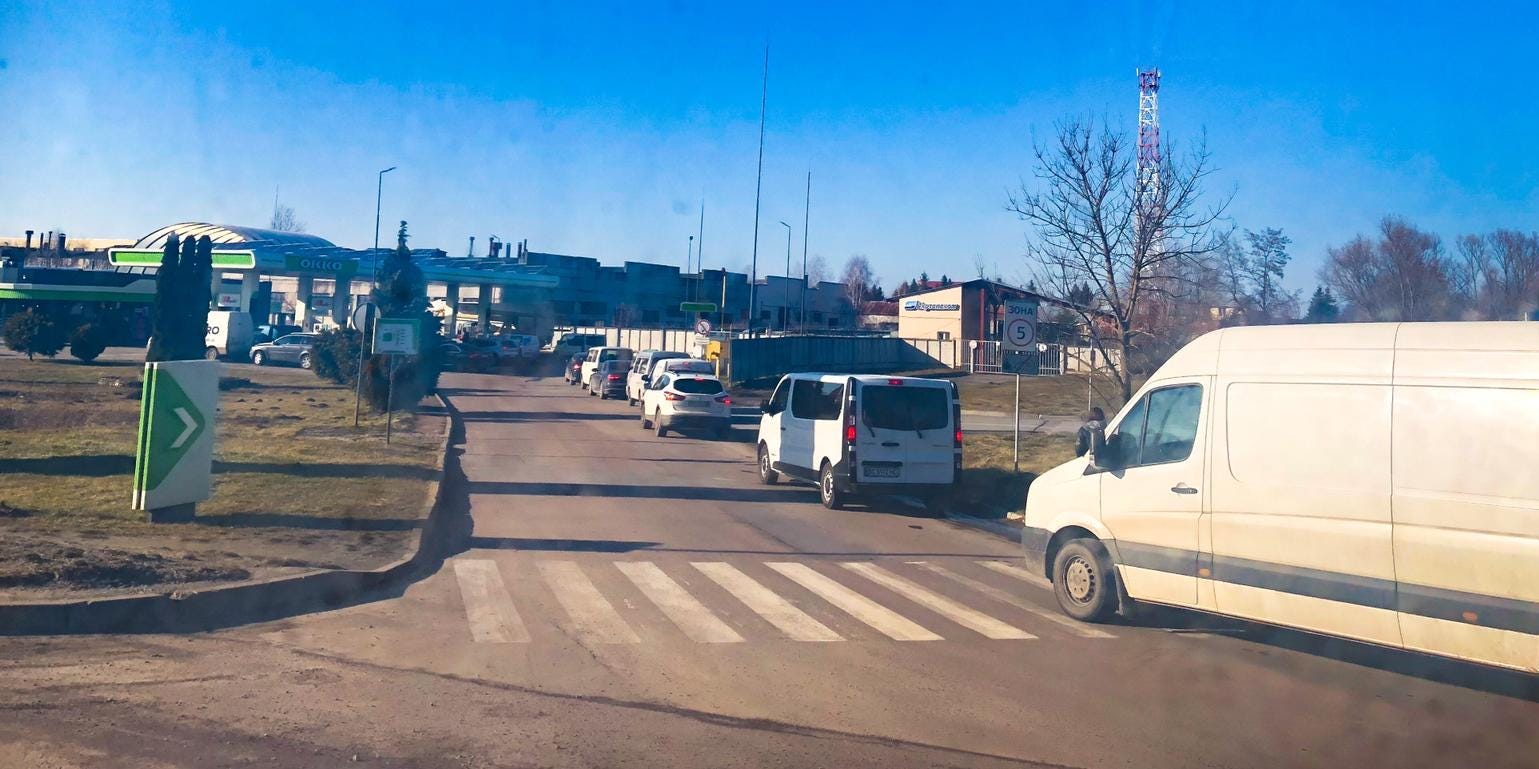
1084, 581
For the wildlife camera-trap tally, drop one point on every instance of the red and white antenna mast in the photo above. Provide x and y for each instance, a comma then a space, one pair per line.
1148, 175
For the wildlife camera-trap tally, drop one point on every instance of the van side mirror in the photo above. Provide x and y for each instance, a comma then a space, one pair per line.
764, 406
1105, 453
646, 378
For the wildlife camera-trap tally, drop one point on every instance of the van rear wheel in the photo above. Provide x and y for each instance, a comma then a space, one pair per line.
828, 488
1084, 581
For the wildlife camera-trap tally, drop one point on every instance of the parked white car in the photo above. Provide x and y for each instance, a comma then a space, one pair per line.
853, 435
1373, 481
674, 401
598, 355
642, 370
511, 346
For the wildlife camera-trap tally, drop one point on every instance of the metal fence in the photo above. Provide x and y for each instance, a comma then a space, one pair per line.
986, 357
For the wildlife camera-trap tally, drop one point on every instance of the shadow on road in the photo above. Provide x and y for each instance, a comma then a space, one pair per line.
1507, 683
285, 520
327, 469
92, 465
561, 545
545, 416
630, 491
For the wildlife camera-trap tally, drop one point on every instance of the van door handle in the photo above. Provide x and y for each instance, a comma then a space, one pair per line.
1182, 488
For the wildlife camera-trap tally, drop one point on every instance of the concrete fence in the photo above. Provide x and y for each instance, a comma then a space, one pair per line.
746, 360
638, 339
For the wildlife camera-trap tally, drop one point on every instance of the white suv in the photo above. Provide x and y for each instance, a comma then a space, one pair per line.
854, 434
676, 400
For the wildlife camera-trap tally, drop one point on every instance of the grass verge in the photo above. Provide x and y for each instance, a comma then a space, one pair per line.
991, 487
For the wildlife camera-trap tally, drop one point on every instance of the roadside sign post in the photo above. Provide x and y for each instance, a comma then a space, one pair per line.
173, 461
1017, 423
392, 337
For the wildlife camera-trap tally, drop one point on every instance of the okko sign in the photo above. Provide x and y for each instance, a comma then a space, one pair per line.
1020, 325
173, 463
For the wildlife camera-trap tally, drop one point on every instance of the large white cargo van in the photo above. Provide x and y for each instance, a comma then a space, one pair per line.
229, 335
1373, 481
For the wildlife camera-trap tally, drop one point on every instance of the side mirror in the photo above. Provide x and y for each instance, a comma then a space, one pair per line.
1105, 453
764, 407
646, 379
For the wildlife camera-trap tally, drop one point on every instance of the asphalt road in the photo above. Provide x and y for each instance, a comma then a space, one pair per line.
625, 600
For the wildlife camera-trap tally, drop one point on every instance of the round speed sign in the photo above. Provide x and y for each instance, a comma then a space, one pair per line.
1020, 334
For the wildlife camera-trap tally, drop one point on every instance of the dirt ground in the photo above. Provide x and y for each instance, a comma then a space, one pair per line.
296, 486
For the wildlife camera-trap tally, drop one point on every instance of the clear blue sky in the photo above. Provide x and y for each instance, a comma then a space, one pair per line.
596, 129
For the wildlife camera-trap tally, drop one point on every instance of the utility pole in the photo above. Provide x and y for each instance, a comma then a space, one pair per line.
363, 341
689, 255
700, 253
785, 313
806, 220
758, 187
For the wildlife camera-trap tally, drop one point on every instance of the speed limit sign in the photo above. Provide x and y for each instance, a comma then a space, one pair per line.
1020, 326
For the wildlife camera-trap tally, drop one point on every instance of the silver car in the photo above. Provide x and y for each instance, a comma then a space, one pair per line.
291, 349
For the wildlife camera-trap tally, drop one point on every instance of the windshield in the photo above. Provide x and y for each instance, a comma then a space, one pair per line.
697, 386
904, 408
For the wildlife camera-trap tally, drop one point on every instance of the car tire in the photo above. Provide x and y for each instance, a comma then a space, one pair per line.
211, 353
259, 358
1084, 581
828, 490
767, 474
659, 425
629, 401
646, 424
304, 360
603, 395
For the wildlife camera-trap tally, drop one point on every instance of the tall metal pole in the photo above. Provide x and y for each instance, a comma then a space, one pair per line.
758, 187
688, 259
700, 253
806, 220
1017, 422
785, 315
390, 399
379, 196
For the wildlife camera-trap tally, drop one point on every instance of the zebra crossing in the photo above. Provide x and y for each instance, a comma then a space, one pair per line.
808, 605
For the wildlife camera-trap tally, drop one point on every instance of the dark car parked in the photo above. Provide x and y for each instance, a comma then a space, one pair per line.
608, 380
292, 349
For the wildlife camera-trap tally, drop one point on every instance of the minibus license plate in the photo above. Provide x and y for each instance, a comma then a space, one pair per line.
881, 471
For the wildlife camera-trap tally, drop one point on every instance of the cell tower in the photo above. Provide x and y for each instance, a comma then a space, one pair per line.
1148, 178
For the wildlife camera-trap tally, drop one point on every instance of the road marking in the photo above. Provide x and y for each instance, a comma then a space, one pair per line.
690, 615
882, 619
776, 610
488, 606
1069, 624
969, 618
1011, 570
594, 618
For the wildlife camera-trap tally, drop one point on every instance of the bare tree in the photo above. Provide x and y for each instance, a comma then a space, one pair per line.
857, 277
1250, 277
1497, 274
1404, 275
817, 270
284, 220
1092, 224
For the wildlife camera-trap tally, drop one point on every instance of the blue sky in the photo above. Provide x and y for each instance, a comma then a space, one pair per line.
597, 129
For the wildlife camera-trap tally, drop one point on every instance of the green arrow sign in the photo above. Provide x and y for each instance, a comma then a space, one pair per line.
175, 450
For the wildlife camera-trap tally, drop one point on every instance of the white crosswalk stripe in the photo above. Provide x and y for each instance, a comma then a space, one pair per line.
688, 614
968, 618
488, 607
880, 618
594, 618
779, 612
1011, 570
1071, 625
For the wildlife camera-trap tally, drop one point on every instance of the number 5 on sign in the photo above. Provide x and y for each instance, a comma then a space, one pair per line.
1020, 325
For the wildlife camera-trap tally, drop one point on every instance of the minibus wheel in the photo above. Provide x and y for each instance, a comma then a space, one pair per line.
1084, 581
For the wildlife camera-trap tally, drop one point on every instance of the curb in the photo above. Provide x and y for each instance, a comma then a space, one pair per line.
259, 601
1004, 531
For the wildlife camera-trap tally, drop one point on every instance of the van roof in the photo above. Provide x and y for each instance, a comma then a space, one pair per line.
867, 378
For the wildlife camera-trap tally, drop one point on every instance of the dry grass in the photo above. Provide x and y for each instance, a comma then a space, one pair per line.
990, 485
1059, 395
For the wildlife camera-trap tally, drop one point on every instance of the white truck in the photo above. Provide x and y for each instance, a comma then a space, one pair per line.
229, 335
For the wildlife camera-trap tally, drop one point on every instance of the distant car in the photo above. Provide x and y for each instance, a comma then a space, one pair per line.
608, 379
294, 349
641, 372
450, 356
512, 346
573, 343
477, 355
269, 331
674, 401
573, 370
599, 355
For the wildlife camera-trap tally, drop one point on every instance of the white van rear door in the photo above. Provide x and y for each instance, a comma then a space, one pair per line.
904, 433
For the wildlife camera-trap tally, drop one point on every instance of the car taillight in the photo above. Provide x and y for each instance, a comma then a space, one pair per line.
959, 436
724, 399
614, 377
673, 396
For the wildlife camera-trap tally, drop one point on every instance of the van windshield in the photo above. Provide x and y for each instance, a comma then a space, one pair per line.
904, 408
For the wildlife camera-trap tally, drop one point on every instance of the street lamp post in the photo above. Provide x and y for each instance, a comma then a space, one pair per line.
379, 196
806, 221
785, 318
688, 257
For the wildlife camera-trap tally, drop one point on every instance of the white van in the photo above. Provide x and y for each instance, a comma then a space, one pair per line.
855, 435
1371, 481
229, 335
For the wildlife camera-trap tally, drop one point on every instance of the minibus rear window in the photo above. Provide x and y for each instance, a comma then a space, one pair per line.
905, 408
697, 386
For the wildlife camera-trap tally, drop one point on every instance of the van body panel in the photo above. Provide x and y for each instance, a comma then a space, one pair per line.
1372, 481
